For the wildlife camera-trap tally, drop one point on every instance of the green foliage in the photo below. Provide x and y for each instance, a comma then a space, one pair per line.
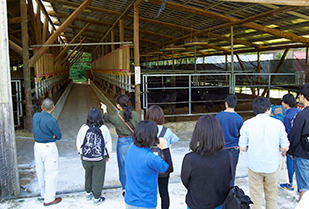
278, 56
78, 70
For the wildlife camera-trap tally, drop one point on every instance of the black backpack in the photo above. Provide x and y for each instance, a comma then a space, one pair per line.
157, 151
236, 199
93, 145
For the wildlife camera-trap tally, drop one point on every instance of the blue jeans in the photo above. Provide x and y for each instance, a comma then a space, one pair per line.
235, 152
289, 163
301, 167
123, 145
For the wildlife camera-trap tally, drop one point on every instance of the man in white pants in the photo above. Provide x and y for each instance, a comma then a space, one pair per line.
46, 131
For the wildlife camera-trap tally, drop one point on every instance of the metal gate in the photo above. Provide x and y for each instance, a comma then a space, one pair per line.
191, 81
17, 101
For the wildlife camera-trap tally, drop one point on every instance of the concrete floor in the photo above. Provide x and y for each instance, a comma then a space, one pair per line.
74, 114
71, 173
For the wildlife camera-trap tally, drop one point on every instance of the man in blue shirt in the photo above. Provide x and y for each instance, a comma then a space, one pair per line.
231, 123
263, 137
46, 131
289, 103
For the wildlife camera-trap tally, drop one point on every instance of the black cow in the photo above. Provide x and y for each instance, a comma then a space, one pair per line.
160, 98
163, 99
183, 96
214, 97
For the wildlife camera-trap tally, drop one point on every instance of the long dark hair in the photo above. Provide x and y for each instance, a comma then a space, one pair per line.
94, 118
145, 134
123, 101
207, 137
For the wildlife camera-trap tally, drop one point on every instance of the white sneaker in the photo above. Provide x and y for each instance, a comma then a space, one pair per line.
98, 201
89, 196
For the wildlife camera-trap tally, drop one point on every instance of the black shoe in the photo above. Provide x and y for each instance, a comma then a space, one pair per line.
123, 192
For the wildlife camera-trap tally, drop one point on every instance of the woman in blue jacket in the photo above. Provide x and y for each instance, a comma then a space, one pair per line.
142, 166
156, 114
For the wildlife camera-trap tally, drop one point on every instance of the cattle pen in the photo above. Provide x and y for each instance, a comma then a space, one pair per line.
149, 49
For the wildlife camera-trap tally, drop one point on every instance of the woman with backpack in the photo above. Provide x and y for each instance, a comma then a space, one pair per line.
206, 171
156, 114
93, 142
124, 122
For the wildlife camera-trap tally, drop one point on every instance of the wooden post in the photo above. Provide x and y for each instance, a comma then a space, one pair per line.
226, 63
203, 62
9, 177
26, 68
246, 76
259, 71
307, 66
187, 63
121, 31
50, 93
114, 89
173, 67
113, 40
136, 61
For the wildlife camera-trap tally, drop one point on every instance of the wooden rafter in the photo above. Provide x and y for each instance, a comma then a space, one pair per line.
279, 2
71, 42
57, 33
18, 49
126, 11
230, 19
73, 50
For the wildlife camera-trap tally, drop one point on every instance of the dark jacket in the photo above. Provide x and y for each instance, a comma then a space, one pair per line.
207, 179
299, 130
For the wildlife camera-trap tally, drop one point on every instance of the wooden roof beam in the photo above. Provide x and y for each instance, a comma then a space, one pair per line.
71, 52
126, 11
15, 47
279, 2
58, 32
71, 42
296, 14
243, 22
148, 20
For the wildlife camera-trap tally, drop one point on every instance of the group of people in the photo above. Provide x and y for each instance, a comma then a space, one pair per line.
206, 170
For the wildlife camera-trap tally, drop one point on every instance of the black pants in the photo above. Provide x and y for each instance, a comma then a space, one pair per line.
94, 176
163, 191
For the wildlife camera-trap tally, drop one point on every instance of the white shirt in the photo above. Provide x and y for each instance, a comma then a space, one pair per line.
264, 136
105, 132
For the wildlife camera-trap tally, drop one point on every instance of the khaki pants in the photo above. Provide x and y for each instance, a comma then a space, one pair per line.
270, 183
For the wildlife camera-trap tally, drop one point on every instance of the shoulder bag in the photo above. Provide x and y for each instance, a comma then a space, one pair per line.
236, 199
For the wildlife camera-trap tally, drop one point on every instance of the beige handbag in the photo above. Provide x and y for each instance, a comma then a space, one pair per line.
283, 171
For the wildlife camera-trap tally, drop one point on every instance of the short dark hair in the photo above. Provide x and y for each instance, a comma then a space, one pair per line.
94, 117
289, 100
304, 90
207, 137
123, 101
260, 105
47, 104
156, 114
145, 134
231, 100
